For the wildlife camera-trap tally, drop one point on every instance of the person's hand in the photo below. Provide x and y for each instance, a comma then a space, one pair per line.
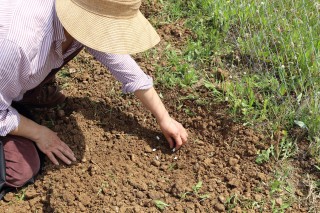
51, 145
174, 132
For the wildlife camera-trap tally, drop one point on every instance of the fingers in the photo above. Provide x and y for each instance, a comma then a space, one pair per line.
67, 151
64, 153
52, 158
62, 157
178, 142
54, 148
170, 141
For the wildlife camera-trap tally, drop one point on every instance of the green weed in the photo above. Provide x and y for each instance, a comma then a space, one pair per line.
195, 192
270, 49
103, 185
160, 204
264, 155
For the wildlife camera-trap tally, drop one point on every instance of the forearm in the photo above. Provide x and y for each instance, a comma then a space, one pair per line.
27, 129
173, 131
151, 100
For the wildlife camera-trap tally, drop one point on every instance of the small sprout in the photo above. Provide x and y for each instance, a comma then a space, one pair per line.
103, 185
184, 195
172, 166
197, 187
204, 197
160, 204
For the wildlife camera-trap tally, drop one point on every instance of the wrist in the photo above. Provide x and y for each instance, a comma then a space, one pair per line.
28, 129
36, 132
163, 117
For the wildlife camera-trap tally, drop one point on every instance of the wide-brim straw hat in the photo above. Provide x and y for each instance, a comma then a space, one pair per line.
111, 26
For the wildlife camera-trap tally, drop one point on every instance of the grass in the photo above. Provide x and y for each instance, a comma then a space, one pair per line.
160, 204
270, 51
195, 193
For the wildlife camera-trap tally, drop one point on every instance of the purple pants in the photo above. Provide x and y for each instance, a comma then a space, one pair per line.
22, 160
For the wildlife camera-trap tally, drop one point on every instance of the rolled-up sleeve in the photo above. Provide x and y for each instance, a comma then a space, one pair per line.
125, 70
11, 78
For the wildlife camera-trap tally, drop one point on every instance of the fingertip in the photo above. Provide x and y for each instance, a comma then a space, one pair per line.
171, 145
170, 141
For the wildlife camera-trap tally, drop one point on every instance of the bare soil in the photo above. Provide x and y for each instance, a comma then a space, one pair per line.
124, 163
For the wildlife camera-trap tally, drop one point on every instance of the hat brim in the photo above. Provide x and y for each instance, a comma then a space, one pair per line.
117, 36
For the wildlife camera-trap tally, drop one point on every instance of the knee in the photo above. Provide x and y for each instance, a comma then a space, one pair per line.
19, 173
22, 161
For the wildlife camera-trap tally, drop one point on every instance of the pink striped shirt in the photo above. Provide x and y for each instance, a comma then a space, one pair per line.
31, 39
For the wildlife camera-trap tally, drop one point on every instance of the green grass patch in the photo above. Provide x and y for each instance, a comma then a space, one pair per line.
270, 49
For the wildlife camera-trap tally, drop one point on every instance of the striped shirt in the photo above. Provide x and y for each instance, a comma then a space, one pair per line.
31, 39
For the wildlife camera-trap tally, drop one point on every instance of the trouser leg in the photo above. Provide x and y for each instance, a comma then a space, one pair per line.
21, 159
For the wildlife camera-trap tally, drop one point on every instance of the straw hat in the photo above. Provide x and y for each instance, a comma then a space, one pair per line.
112, 26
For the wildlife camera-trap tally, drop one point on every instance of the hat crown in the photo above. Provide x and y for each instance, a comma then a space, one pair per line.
111, 8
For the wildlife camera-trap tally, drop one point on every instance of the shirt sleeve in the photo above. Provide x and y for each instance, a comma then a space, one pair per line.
125, 70
11, 78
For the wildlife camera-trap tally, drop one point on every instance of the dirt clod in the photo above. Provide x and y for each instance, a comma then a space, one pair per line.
219, 207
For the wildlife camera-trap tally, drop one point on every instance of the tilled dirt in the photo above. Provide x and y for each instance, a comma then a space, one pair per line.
124, 163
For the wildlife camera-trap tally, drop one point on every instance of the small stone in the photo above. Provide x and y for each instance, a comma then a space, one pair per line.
234, 182
115, 208
140, 195
200, 143
222, 199
31, 193
60, 113
154, 195
164, 167
133, 157
219, 207
207, 161
156, 163
137, 209
139, 185
147, 149
237, 209
257, 197
85, 199
82, 207
262, 176
178, 188
299, 193
233, 161
279, 201
8, 197
33, 201
72, 70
